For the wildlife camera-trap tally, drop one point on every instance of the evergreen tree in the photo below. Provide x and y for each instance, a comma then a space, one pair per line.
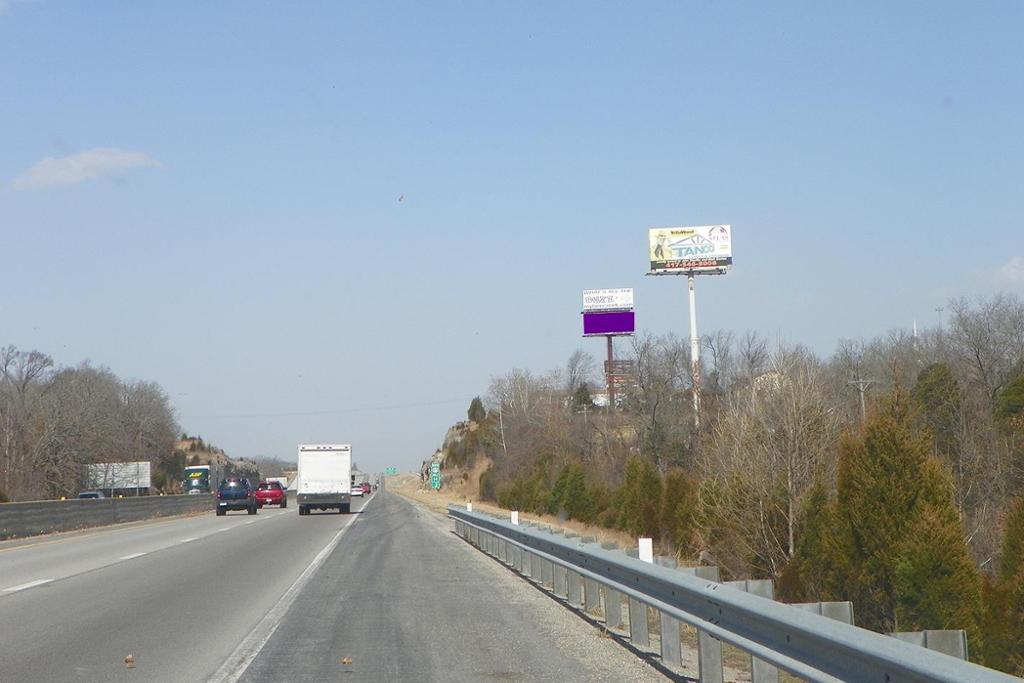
640, 498
476, 410
885, 483
581, 398
570, 495
937, 396
1011, 559
1010, 401
1004, 599
937, 585
679, 510
811, 575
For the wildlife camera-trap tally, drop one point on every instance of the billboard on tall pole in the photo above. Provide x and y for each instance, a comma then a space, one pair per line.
608, 313
690, 249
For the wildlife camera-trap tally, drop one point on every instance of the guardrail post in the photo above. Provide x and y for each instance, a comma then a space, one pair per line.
560, 581
840, 611
949, 642
709, 658
591, 594
547, 570
760, 670
573, 588
612, 608
638, 634
671, 645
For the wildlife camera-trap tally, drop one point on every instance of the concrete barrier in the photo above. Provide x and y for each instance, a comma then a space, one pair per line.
46, 516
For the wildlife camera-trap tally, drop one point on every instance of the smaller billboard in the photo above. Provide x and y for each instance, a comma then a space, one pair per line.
119, 475
693, 249
608, 299
608, 322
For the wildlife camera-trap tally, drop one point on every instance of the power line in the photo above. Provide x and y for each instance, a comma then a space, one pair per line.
338, 411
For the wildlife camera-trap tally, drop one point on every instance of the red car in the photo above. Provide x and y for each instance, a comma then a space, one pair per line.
271, 493
366, 487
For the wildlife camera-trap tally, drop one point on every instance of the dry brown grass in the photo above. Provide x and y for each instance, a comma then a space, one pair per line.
461, 492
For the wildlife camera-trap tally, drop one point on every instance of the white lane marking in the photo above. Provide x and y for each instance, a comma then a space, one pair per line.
30, 584
223, 528
133, 556
189, 539
251, 521
236, 664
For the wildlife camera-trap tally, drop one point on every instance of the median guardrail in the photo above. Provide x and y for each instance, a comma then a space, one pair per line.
807, 645
46, 516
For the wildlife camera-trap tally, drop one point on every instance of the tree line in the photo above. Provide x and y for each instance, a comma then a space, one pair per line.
56, 420
889, 473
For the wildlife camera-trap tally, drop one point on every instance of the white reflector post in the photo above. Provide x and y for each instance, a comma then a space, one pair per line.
645, 549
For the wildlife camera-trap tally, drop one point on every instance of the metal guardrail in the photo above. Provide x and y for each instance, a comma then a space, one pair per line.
809, 646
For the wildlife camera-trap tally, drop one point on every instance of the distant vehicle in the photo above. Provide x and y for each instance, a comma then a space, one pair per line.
236, 493
357, 490
197, 479
324, 476
90, 494
271, 493
283, 481
366, 487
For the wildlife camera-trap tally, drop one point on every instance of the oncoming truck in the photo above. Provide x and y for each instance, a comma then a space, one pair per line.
324, 477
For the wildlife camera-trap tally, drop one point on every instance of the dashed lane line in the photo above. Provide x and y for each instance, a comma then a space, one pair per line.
25, 586
132, 556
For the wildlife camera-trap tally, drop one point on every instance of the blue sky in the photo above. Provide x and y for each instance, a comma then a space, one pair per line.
309, 207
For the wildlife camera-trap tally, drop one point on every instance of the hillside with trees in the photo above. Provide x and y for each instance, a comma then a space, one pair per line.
890, 473
56, 420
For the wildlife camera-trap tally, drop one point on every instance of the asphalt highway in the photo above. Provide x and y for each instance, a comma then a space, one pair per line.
386, 593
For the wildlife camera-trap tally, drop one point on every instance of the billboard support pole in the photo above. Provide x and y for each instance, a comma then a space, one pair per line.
608, 375
694, 350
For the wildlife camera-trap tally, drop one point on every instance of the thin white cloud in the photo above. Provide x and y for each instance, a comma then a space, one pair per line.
6, 5
1012, 272
73, 169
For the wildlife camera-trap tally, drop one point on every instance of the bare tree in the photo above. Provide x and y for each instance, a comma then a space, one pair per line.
768, 448
23, 381
580, 369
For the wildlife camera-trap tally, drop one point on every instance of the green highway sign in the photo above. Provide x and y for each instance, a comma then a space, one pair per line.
435, 475
391, 470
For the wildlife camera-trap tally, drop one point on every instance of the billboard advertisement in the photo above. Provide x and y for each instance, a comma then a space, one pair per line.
608, 299
119, 475
693, 249
608, 322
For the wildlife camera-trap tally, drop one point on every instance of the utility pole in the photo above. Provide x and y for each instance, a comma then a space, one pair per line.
694, 351
939, 310
862, 386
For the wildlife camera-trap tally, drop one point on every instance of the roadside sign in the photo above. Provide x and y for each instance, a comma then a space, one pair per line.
391, 470
435, 475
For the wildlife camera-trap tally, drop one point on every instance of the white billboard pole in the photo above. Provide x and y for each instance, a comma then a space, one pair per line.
691, 250
694, 352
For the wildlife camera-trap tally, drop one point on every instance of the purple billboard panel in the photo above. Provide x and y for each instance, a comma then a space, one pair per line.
608, 322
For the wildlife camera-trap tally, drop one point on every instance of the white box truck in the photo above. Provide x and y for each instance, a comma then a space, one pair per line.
325, 472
